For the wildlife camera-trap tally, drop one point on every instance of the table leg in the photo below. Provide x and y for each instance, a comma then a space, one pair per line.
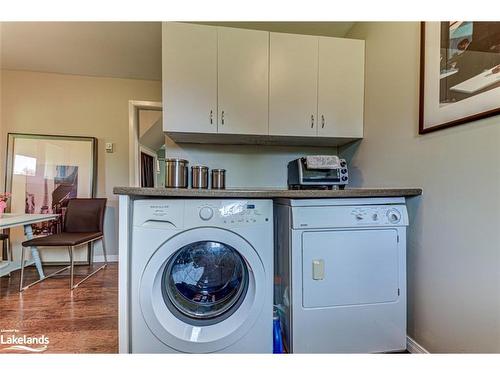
28, 231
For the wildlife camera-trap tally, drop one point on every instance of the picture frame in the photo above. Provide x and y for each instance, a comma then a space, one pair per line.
459, 73
43, 172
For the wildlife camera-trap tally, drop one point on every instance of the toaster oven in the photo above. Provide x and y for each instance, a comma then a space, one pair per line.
318, 172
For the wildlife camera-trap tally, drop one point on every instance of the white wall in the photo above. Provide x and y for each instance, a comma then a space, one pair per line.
47, 103
454, 239
246, 165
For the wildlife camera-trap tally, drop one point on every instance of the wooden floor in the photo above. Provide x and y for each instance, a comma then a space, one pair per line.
84, 320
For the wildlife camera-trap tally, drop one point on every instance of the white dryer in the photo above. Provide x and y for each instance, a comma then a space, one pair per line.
341, 274
201, 276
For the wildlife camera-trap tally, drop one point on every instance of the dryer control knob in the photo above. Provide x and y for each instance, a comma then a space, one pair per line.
394, 216
206, 213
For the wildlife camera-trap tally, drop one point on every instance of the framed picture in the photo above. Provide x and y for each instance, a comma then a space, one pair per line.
45, 171
459, 73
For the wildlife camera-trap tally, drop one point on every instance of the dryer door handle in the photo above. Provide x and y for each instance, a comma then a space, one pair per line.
318, 269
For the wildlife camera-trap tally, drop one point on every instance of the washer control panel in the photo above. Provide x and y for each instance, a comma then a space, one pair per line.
228, 213
182, 213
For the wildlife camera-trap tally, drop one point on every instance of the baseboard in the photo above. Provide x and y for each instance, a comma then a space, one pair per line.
100, 258
414, 347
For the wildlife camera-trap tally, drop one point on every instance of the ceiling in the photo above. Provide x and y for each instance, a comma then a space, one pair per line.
112, 49
337, 29
105, 49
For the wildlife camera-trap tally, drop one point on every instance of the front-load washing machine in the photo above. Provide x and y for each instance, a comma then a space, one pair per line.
201, 276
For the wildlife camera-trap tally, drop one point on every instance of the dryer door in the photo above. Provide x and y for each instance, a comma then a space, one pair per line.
202, 290
349, 267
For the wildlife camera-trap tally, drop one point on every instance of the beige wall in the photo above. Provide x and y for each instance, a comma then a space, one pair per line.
454, 240
49, 103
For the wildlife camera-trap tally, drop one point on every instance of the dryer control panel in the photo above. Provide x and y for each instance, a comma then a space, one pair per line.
390, 215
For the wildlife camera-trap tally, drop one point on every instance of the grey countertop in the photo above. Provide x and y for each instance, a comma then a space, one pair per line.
268, 193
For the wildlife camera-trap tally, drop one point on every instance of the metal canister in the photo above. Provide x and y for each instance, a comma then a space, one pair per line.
199, 177
176, 173
218, 178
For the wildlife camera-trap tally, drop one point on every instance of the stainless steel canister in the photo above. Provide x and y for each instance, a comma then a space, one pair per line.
176, 173
199, 177
218, 178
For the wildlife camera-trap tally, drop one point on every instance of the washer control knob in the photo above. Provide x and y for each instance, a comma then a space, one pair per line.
394, 216
206, 213
359, 217
375, 217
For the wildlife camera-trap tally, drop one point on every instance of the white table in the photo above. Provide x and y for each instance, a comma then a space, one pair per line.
25, 220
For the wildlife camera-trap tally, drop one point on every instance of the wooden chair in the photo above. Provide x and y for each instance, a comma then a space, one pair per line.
83, 224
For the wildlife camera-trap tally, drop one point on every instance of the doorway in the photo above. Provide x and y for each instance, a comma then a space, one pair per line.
146, 144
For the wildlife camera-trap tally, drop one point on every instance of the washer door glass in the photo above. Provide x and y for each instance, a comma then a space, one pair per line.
205, 279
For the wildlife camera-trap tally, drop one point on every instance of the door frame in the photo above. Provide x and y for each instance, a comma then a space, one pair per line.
134, 161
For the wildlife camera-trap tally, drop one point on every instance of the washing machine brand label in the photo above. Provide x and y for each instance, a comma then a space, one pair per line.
159, 209
159, 206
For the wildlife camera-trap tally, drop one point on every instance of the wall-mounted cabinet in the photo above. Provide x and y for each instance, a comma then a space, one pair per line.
239, 86
293, 89
189, 70
243, 76
341, 86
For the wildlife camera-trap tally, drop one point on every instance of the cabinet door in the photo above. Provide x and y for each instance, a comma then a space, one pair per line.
293, 84
243, 81
189, 78
341, 87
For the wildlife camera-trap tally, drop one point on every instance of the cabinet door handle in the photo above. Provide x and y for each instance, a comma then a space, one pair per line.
312, 121
322, 121
222, 118
211, 117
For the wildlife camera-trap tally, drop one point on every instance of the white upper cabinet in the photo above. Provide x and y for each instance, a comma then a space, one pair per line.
293, 87
189, 78
341, 87
243, 59
230, 85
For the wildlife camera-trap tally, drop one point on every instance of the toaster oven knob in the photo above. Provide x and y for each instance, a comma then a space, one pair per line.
343, 164
343, 171
344, 178
206, 213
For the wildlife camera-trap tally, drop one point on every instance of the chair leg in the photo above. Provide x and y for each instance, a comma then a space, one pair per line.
104, 250
97, 270
23, 288
9, 251
22, 270
72, 267
91, 254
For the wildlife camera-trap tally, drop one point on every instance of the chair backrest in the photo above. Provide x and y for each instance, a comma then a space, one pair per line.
85, 215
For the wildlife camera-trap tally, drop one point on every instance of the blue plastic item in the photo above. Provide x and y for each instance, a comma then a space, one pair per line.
277, 338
